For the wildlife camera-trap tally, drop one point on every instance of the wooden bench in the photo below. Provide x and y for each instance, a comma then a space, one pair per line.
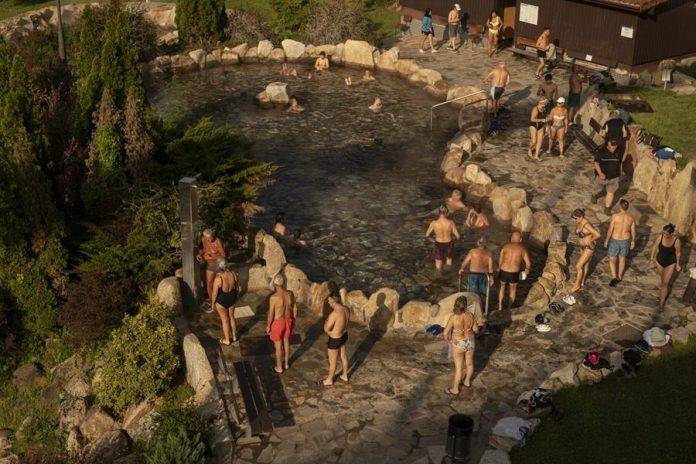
259, 421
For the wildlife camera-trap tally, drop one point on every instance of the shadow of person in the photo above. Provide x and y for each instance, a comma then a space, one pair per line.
312, 335
380, 321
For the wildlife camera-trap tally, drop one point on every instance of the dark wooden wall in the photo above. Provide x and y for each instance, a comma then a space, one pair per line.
584, 29
670, 32
478, 10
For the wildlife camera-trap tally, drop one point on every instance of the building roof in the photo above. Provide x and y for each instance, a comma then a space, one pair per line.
633, 5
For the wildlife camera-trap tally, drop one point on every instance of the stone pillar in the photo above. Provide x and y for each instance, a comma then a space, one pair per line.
188, 196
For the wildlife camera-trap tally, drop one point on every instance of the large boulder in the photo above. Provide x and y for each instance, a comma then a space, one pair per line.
241, 49
298, 283
380, 310
467, 96
272, 253
522, 219
356, 301
425, 76
169, 294
406, 67
337, 57
416, 314
161, 15
109, 447
278, 93
387, 60
257, 279
71, 413
473, 117
77, 387
199, 375
567, 375
453, 159
314, 52
96, 423
359, 53
462, 141
198, 57
474, 175
229, 57
680, 206
455, 176
543, 227
25, 376
182, 63
293, 49
251, 55
277, 55
265, 47
136, 412
74, 443
446, 308
500, 202
318, 295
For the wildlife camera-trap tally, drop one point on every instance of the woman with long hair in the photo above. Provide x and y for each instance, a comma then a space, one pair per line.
494, 24
459, 332
225, 294
587, 238
427, 30
665, 256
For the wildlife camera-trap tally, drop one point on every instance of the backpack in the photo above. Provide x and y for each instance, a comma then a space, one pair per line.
595, 360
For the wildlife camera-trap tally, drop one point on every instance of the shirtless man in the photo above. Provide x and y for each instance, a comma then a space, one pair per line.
367, 76
210, 252
279, 225
453, 26
322, 62
621, 237
479, 261
443, 228
548, 89
500, 78
512, 255
477, 220
295, 106
454, 202
336, 327
574, 91
542, 45
376, 105
282, 311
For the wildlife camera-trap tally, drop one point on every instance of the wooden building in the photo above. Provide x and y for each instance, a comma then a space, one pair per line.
476, 12
629, 34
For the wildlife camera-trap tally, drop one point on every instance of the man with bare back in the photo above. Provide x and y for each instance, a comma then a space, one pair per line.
454, 202
443, 228
500, 78
512, 256
621, 237
282, 311
542, 45
479, 261
336, 327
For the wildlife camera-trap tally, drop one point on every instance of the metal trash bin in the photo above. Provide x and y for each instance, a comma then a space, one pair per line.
458, 439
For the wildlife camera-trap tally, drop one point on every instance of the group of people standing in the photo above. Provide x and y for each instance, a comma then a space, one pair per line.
457, 27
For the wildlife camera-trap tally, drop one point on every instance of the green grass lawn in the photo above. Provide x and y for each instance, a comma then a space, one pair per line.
673, 117
648, 419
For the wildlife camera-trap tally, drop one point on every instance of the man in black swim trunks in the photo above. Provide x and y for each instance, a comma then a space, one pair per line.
500, 78
512, 256
336, 327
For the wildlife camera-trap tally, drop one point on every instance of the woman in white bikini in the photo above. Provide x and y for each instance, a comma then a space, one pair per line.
558, 125
494, 24
459, 332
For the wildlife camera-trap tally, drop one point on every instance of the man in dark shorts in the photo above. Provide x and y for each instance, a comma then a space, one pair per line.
512, 256
500, 78
574, 92
615, 129
548, 89
607, 167
336, 327
445, 231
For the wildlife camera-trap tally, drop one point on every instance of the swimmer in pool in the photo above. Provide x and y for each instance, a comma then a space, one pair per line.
295, 106
368, 77
348, 80
477, 220
322, 62
454, 202
376, 106
298, 238
284, 70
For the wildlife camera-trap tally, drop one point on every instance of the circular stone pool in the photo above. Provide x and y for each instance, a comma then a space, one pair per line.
357, 183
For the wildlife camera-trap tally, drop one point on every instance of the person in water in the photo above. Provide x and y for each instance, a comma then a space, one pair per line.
376, 106
224, 297
298, 238
513, 256
444, 230
459, 332
295, 106
282, 312
454, 202
336, 328
477, 220
367, 76
279, 225
322, 62
666, 258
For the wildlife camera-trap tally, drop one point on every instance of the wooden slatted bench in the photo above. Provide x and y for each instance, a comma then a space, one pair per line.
259, 421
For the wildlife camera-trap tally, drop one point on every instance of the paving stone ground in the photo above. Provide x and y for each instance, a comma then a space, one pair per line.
395, 410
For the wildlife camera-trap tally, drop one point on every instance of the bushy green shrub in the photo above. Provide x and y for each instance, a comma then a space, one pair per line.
290, 15
335, 21
140, 358
201, 23
16, 405
176, 422
177, 447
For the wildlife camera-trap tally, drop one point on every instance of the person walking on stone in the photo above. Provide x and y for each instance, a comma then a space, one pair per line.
542, 45
665, 256
587, 238
282, 312
427, 30
494, 24
608, 169
548, 89
453, 26
537, 129
459, 332
500, 78
444, 230
512, 256
574, 93
479, 262
224, 297
615, 129
621, 237
558, 126
211, 250
336, 328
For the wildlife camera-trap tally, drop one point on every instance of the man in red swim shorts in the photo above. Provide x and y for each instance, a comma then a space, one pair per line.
282, 311
444, 230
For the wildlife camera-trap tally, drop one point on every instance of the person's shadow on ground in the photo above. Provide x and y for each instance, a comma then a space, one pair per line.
379, 323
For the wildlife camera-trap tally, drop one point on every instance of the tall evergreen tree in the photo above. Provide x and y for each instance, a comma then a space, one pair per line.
201, 23
139, 145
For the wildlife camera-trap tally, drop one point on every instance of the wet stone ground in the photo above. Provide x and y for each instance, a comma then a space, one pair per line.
357, 183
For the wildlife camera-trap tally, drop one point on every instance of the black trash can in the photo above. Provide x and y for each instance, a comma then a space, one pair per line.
459, 438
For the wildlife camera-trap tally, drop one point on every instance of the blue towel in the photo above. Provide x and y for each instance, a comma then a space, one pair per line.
434, 330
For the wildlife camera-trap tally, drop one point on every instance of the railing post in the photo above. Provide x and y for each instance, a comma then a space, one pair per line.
188, 197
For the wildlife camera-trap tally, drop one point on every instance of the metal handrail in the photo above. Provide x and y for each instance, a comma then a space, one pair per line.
450, 101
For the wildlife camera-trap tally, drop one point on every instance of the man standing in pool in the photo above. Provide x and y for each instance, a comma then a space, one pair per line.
336, 327
512, 256
444, 229
500, 78
479, 261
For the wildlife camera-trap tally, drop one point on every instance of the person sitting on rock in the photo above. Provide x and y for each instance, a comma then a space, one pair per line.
368, 77
477, 220
295, 106
322, 62
376, 106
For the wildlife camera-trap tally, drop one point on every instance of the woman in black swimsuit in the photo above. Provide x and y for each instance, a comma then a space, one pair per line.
225, 292
666, 256
537, 128
587, 236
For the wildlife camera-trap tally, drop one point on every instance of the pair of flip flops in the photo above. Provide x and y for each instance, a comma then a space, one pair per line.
569, 300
